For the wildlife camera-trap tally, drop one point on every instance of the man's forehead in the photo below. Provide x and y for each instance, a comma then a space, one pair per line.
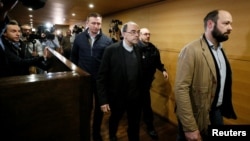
144, 31
224, 15
13, 26
133, 27
94, 19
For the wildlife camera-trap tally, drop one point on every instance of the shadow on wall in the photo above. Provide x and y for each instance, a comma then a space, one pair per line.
161, 96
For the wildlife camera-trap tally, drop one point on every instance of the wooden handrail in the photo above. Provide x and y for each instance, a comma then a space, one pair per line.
51, 106
67, 62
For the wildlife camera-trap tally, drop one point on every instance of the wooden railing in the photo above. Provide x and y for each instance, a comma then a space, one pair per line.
46, 107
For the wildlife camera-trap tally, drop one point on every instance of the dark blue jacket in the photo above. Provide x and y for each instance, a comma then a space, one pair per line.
86, 57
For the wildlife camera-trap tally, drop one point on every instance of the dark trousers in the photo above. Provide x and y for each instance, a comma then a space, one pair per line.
215, 119
66, 53
133, 111
98, 114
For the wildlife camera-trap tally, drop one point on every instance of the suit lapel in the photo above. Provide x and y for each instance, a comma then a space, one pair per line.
208, 56
121, 57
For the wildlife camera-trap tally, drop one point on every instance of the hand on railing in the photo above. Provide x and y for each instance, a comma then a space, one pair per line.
105, 108
46, 53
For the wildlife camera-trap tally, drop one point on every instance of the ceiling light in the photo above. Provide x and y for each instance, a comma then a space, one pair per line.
91, 5
58, 32
73, 14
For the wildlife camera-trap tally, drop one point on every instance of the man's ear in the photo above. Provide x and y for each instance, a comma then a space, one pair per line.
210, 24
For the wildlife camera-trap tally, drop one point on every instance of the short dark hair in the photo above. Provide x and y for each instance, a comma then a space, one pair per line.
12, 22
94, 14
125, 27
213, 15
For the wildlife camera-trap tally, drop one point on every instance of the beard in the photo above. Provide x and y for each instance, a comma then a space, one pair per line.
220, 37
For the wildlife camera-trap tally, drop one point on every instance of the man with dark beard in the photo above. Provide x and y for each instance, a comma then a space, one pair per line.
203, 81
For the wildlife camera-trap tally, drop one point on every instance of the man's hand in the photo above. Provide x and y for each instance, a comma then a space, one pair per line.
105, 108
193, 136
46, 53
165, 74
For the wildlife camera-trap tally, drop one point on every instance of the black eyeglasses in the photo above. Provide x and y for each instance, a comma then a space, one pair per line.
133, 32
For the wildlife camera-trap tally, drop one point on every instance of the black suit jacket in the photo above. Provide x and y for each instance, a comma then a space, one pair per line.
112, 83
18, 62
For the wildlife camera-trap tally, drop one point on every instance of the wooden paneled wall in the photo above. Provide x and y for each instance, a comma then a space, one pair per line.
174, 23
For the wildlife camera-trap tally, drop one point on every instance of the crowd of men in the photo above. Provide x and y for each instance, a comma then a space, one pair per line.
26, 54
122, 72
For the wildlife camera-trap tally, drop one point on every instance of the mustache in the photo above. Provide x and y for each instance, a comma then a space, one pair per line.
228, 32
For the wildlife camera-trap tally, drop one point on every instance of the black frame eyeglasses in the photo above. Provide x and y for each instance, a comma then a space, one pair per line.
134, 32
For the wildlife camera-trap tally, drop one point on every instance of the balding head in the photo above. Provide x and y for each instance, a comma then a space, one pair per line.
144, 30
144, 35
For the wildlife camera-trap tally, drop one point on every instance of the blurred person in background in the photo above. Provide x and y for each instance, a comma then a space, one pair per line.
49, 39
66, 44
33, 44
31, 40
4, 9
18, 55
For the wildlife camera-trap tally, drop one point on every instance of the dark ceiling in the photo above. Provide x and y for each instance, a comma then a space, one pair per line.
59, 12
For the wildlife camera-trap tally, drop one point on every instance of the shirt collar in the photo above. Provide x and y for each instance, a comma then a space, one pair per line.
93, 37
127, 47
212, 45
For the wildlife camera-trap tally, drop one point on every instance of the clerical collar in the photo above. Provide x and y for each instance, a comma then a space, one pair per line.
127, 47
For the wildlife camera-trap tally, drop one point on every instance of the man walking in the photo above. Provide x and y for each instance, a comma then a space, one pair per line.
151, 61
87, 52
